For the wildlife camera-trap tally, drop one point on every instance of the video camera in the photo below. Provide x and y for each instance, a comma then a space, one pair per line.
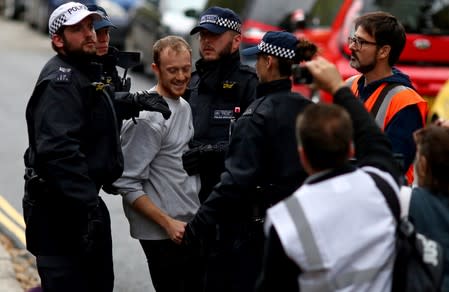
301, 75
127, 60
305, 52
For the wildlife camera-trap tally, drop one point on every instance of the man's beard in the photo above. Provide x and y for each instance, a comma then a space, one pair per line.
226, 51
362, 68
77, 52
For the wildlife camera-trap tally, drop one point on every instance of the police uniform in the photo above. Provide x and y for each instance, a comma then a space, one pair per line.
74, 149
115, 84
216, 88
261, 168
110, 73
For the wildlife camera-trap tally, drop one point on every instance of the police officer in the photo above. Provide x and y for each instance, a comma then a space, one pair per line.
219, 87
262, 164
74, 149
108, 57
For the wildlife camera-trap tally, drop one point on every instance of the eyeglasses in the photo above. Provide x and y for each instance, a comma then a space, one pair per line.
358, 42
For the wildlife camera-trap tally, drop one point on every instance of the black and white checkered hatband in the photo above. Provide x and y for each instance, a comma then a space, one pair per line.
220, 21
56, 24
276, 50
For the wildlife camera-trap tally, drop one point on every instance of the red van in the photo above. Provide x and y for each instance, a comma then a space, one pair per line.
329, 23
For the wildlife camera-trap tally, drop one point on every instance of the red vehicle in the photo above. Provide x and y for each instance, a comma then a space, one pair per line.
329, 23
260, 16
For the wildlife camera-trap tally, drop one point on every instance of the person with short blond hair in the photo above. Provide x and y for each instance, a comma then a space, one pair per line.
159, 197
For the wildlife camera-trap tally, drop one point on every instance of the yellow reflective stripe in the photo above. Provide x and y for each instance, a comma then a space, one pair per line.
11, 212
18, 232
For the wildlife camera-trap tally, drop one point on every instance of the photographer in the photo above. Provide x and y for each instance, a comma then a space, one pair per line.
261, 168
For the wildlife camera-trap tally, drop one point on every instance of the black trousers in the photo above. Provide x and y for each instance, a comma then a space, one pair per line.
81, 271
173, 267
234, 261
74, 274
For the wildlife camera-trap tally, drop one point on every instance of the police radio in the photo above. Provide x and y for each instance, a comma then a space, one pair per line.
235, 116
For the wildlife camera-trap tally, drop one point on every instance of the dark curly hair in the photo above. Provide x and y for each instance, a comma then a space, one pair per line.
305, 50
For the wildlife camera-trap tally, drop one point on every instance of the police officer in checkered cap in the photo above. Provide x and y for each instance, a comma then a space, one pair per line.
220, 88
74, 150
218, 20
262, 163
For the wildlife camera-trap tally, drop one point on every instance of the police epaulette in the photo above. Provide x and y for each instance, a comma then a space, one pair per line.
247, 68
64, 75
253, 106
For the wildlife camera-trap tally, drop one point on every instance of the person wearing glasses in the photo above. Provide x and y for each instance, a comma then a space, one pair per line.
387, 93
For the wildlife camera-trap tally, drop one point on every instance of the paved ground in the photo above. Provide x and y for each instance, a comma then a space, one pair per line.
8, 280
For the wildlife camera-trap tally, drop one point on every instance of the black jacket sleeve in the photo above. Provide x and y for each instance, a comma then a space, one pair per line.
372, 147
244, 166
279, 272
58, 119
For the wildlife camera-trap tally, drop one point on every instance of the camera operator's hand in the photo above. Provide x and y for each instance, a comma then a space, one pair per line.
145, 100
325, 75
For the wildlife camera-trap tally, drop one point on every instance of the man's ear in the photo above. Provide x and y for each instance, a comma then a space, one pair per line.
270, 61
57, 40
421, 166
304, 160
155, 69
351, 151
384, 52
236, 40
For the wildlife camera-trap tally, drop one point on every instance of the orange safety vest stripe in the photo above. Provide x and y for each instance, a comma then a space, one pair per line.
400, 100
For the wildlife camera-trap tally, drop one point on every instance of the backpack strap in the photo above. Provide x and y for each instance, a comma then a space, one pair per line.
381, 97
389, 194
405, 196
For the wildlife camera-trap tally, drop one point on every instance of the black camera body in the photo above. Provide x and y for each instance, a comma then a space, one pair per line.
301, 75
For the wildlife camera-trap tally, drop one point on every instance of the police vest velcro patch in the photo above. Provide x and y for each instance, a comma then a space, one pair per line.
64, 75
222, 114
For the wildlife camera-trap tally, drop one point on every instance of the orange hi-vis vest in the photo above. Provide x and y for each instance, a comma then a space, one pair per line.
395, 100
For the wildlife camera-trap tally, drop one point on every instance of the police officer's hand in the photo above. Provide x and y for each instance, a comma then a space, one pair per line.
325, 75
191, 161
151, 101
200, 154
190, 238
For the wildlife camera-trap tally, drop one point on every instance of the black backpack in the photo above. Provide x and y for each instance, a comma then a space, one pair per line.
418, 266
